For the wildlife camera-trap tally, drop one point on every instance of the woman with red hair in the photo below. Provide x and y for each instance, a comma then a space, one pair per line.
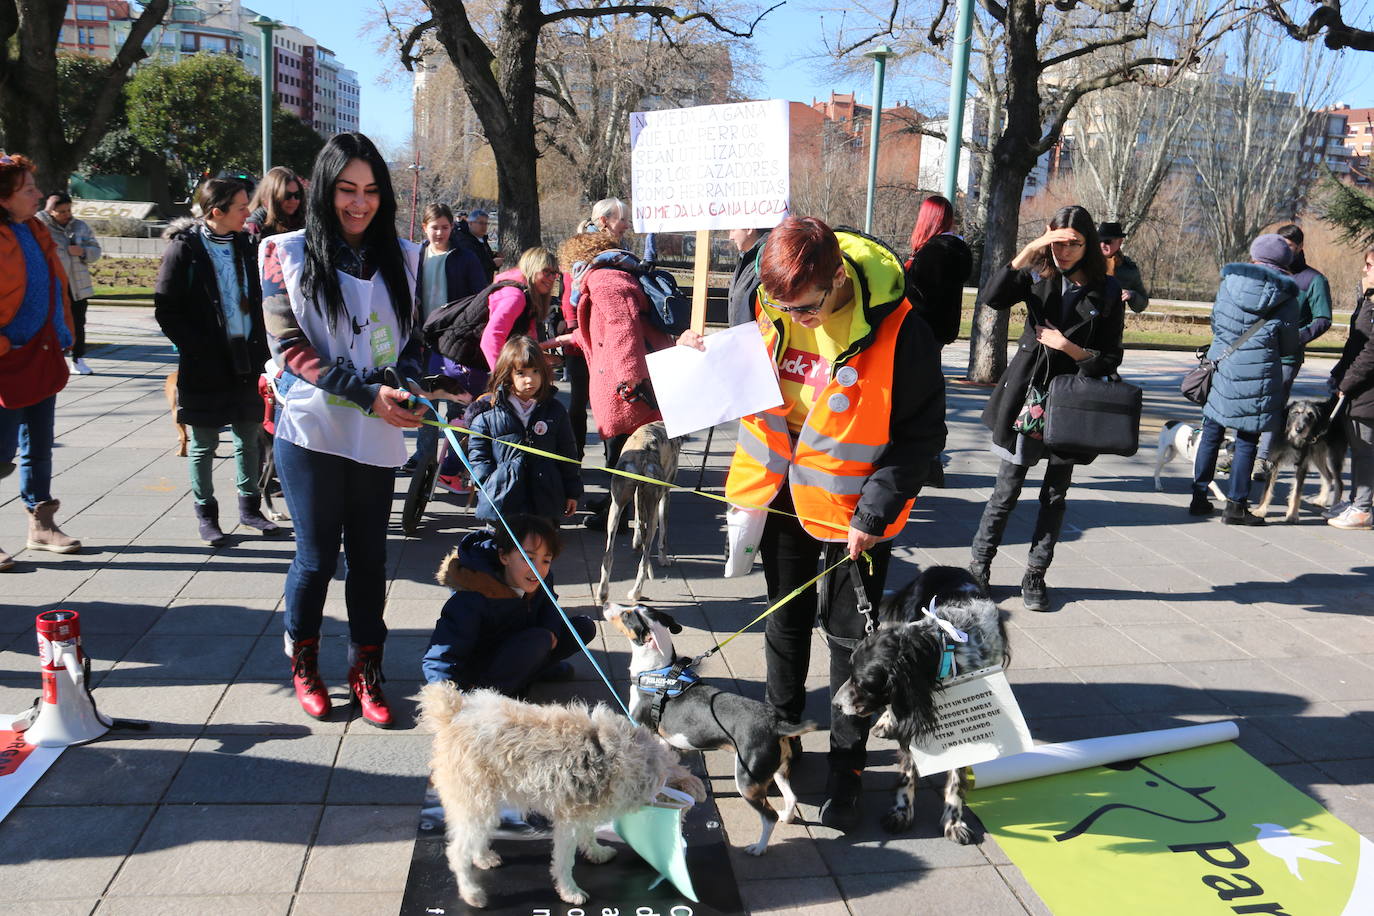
939, 265
35, 327
843, 457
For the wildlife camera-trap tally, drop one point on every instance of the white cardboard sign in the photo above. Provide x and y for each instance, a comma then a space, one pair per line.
734, 377
710, 167
978, 721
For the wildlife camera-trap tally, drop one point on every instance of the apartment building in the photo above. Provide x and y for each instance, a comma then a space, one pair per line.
1358, 140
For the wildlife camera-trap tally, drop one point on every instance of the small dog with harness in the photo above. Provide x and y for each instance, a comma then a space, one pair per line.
668, 696
940, 624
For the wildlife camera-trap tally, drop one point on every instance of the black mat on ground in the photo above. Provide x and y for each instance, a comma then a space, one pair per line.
522, 884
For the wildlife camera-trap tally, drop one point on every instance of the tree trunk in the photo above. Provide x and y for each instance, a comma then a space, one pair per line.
988, 345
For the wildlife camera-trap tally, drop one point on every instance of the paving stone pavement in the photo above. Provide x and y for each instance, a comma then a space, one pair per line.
235, 802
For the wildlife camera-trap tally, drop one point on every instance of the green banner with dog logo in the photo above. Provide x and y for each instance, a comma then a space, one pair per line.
1204, 831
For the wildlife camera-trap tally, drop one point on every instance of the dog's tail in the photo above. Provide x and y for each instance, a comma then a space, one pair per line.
439, 703
793, 729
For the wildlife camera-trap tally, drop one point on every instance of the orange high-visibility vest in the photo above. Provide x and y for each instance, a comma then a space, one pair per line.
838, 447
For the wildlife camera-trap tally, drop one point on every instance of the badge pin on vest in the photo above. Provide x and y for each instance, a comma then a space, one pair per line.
838, 403
847, 376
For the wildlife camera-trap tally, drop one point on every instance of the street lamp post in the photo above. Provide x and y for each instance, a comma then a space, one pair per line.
267, 26
958, 88
880, 55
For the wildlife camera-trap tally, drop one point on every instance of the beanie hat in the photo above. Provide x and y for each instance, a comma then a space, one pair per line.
1271, 250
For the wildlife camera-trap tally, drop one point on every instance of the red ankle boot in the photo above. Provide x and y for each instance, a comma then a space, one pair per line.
305, 675
365, 683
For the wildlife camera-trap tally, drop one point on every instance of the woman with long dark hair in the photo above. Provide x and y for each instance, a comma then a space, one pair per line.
278, 205
35, 327
1074, 323
939, 264
340, 307
209, 303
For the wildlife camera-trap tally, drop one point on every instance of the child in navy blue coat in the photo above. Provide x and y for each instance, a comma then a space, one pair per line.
520, 406
499, 629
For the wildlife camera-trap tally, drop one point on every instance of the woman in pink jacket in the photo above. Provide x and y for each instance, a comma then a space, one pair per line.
522, 308
615, 337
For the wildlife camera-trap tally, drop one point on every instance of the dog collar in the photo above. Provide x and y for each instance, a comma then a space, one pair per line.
953, 635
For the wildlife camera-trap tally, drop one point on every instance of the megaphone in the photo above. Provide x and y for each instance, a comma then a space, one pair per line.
66, 714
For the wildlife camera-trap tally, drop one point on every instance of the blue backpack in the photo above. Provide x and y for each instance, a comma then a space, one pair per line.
669, 309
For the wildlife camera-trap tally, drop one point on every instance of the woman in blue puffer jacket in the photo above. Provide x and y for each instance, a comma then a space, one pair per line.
1247, 388
520, 406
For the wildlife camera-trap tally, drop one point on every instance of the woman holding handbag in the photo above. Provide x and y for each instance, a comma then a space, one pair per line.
35, 327
1074, 325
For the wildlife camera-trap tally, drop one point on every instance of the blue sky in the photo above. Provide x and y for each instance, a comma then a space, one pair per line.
788, 40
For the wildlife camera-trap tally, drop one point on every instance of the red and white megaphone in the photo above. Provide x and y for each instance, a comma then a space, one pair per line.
66, 714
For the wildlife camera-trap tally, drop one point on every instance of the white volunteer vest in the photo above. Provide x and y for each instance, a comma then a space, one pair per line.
365, 338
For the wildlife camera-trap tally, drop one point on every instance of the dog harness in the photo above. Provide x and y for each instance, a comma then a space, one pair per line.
666, 683
953, 635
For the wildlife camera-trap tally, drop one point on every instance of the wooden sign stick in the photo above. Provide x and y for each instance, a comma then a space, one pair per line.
700, 267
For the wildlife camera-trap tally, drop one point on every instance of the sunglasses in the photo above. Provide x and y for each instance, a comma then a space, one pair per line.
293, 195
805, 310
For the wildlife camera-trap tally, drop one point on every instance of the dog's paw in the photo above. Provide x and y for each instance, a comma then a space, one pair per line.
598, 854
477, 899
1291, 518
757, 849
487, 859
276, 516
573, 894
667, 559
898, 819
883, 728
958, 832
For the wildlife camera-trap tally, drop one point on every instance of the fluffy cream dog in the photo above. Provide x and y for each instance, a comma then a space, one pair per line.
579, 767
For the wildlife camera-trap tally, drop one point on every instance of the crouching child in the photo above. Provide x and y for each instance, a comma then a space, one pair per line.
499, 629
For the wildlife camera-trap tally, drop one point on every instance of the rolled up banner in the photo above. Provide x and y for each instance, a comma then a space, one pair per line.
1051, 759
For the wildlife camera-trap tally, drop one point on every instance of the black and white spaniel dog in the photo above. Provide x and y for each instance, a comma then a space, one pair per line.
898, 668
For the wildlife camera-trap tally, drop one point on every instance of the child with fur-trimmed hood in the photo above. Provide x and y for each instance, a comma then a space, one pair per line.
499, 629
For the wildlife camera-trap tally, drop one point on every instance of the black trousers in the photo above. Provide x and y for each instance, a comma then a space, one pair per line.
79, 332
1053, 501
791, 557
579, 380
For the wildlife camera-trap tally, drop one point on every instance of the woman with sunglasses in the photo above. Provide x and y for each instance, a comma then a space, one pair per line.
278, 205
843, 457
339, 303
1074, 323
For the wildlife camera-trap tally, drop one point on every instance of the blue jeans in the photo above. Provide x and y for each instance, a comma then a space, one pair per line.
336, 500
1242, 462
29, 431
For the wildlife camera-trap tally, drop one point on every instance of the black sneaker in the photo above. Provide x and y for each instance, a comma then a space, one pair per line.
981, 572
1034, 594
1201, 505
1238, 513
840, 810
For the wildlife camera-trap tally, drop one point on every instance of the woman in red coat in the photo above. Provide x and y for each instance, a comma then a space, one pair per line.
614, 336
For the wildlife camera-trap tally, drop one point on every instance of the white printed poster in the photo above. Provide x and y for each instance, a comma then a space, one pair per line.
977, 720
710, 167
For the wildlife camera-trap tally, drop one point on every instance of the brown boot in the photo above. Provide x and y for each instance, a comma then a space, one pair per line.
6, 561
44, 533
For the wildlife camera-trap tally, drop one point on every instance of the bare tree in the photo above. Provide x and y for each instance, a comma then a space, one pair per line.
499, 73
1265, 146
29, 108
1328, 17
1047, 57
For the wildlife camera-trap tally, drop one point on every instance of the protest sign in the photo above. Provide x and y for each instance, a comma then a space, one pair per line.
978, 720
710, 167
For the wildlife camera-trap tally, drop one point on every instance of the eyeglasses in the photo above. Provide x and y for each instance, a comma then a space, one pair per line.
804, 310
294, 195
1067, 244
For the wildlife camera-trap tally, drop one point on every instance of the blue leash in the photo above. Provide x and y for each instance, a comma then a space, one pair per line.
462, 456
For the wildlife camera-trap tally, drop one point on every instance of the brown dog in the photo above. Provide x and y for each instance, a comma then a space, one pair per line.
169, 388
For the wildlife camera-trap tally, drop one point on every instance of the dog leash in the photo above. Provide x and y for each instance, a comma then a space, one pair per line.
617, 472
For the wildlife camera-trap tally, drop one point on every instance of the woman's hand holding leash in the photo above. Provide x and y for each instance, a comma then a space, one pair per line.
389, 406
859, 541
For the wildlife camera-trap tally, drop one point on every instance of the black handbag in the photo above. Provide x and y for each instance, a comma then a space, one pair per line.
1092, 415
